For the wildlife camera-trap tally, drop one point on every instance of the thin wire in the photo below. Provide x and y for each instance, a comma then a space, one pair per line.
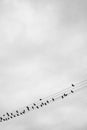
74, 90
81, 81
56, 96
59, 95
66, 89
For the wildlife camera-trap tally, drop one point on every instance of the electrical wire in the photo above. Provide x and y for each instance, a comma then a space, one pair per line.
45, 101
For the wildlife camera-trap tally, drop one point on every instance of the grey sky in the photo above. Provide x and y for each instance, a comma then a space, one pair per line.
42, 50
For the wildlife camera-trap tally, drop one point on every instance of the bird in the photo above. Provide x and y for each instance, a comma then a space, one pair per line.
65, 94
73, 85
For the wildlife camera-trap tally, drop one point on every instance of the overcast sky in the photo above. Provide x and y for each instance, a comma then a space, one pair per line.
43, 49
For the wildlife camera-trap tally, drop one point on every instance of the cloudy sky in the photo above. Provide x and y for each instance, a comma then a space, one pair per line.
43, 49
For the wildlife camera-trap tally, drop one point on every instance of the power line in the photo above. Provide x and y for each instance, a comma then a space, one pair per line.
45, 101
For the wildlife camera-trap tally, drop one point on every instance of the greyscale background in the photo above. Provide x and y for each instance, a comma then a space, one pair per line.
43, 49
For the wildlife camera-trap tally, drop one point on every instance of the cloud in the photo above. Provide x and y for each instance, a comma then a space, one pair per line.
42, 49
